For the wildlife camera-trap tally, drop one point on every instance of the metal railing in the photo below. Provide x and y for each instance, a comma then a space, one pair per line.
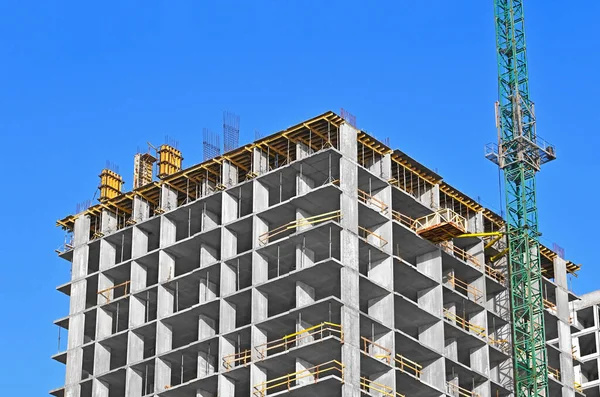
464, 324
370, 347
460, 253
466, 287
495, 274
233, 360
366, 233
320, 330
441, 216
577, 386
408, 366
554, 372
328, 216
106, 296
332, 367
454, 389
403, 219
368, 385
371, 200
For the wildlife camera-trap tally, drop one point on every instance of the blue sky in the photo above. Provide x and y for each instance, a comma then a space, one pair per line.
83, 83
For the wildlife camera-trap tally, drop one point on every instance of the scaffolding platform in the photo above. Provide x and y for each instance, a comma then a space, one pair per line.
440, 226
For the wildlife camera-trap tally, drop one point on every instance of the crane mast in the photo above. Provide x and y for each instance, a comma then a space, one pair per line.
520, 153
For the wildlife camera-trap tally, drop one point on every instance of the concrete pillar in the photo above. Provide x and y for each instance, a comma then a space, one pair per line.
141, 209
380, 309
260, 305
133, 383
303, 183
451, 349
108, 222
431, 300
207, 327
208, 255
207, 290
228, 243
227, 317
429, 196
260, 161
228, 279
168, 198
260, 196
381, 272
302, 151
162, 375
306, 376
349, 258
258, 375
564, 329
205, 364
229, 174
99, 388
258, 338
305, 294
226, 386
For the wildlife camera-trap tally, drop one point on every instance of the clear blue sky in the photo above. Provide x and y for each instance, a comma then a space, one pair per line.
81, 84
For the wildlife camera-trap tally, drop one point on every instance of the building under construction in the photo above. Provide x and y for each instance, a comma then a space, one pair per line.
316, 261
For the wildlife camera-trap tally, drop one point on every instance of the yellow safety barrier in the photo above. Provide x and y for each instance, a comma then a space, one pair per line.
549, 305
240, 358
369, 199
460, 253
464, 323
554, 372
365, 233
328, 216
408, 366
441, 225
369, 347
368, 385
287, 381
466, 287
106, 296
403, 219
460, 390
495, 274
577, 386
322, 330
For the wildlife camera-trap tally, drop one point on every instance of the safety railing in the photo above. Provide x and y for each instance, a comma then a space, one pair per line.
371, 200
320, 331
454, 389
408, 366
554, 372
440, 217
460, 253
549, 305
233, 360
495, 274
328, 216
464, 324
366, 233
403, 219
470, 290
368, 385
106, 292
375, 350
281, 383
502, 344
577, 386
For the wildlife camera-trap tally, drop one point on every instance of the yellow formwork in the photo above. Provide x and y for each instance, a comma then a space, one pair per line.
111, 184
169, 161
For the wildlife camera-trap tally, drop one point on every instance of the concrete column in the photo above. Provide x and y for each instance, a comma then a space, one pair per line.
168, 198
228, 243
205, 364
380, 308
260, 306
260, 268
349, 258
431, 300
108, 222
475, 222
141, 209
229, 174
207, 327
75, 337
99, 389
302, 151
303, 183
260, 196
258, 375
305, 294
208, 255
260, 161
451, 349
386, 168
226, 386
227, 317
567, 375
133, 383
381, 272
228, 279
162, 375
207, 290
429, 196
258, 337
306, 377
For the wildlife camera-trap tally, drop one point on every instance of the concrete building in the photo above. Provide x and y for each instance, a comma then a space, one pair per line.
314, 262
586, 345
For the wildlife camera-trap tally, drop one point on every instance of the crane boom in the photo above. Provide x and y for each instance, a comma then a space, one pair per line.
520, 153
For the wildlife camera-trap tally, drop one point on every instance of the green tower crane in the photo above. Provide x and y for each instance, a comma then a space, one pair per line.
520, 153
